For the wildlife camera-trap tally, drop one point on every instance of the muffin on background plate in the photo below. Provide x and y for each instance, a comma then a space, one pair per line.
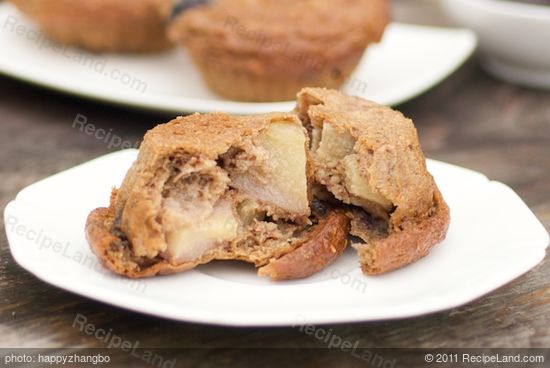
102, 25
267, 50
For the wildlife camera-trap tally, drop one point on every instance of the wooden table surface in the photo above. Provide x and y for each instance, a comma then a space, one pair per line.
470, 120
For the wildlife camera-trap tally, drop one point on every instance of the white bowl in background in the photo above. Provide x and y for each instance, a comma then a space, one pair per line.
514, 37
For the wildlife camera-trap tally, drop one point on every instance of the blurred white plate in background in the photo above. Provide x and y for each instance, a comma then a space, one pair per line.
410, 60
514, 37
492, 239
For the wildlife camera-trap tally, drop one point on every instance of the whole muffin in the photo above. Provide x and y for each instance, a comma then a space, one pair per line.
267, 50
102, 25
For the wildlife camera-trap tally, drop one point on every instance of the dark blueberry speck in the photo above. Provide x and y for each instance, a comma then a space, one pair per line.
182, 5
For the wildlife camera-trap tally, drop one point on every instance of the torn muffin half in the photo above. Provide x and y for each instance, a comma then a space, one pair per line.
368, 157
218, 187
281, 191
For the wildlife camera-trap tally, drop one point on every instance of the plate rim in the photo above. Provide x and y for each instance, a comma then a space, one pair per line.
154, 103
210, 317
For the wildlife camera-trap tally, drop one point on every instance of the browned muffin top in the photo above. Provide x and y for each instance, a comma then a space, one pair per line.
102, 25
387, 142
270, 28
207, 134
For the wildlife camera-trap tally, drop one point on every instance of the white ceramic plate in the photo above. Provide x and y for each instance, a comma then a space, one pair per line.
410, 60
512, 35
493, 238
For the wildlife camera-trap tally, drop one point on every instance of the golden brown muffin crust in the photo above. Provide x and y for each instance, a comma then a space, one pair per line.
387, 142
317, 249
316, 32
392, 162
267, 50
103, 25
201, 139
130, 236
384, 253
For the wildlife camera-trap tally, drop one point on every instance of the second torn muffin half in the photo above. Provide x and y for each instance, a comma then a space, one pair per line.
258, 189
368, 157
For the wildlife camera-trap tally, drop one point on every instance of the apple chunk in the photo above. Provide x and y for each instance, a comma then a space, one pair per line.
191, 241
335, 144
281, 180
343, 177
359, 187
